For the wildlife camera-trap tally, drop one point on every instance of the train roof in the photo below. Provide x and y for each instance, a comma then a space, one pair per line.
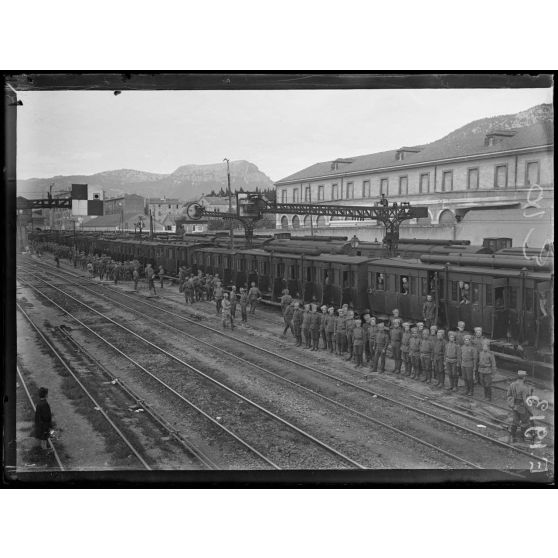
338, 258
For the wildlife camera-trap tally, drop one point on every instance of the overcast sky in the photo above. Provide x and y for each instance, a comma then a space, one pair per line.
281, 132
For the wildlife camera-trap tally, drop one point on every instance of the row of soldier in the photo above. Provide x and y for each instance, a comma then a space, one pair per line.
420, 353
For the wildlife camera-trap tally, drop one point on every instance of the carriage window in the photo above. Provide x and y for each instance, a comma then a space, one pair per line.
280, 269
475, 293
464, 292
265, 268
353, 278
529, 300
404, 285
423, 286
513, 297
219, 260
413, 285
432, 280
308, 274
345, 279
499, 295
488, 295
292, 273
380, 282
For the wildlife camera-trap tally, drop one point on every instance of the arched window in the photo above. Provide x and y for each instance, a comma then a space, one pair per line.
446, 218
296, 222
321, 222
307, 220
284, 222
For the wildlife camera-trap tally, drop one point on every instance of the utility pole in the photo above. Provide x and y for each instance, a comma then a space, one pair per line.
230, 202
75, 245
311, 220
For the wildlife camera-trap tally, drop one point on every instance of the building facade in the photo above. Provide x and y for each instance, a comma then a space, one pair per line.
161, 207
459, 180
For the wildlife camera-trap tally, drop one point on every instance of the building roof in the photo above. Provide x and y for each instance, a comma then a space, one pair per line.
162, 201
454, 145
218, 200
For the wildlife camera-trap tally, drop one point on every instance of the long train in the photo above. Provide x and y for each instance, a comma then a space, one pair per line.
507, 291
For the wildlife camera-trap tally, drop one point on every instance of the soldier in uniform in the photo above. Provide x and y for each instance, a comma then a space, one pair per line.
429, 311
394, 316
116, 272
517, 395
460, 334
372, 332
306, 327
405, 339
330, 328
149, 274
477, 342
286, 300
323, 319
469, 359
161, 276
395, 338
218, 294
350, 326
452, 356
233, 297
288, 319
135, 277
358, 342
189, 290
380, 347
426, 350
438, 352
340, 332
226, 311
366, 331
243, 305
297, 323
254, 295
486, 367
315, 324
433, 332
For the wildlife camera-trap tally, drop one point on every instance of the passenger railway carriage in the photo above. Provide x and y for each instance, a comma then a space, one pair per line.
509, 293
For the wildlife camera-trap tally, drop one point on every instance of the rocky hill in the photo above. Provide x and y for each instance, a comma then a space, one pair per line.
186, 182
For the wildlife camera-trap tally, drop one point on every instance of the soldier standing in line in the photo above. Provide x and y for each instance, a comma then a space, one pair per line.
297, 323
288, 319
286, 300
452, 356
340, 331
394, 316
330, 328
226, 311
350, 326
405, 339
181, 278
395, 339
469, 359
323, 320
189, 290
43, 419
517, 395
161, 275
306, 327
414, 353
486, 367
218, 293
433, 332
233, 297
149, 274
135, 277
372, 332
477, 342
460, 334
438, 355
426, 349
380, 347
429, 311
116, 272
315, 324
243, 305
358, 342
254, 295
366, 332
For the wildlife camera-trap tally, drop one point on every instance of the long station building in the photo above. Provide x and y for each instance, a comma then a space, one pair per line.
477, 182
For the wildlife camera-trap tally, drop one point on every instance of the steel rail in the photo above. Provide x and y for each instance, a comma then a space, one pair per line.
301, 387
22, 380
84, 389
153, 376
204, 459
439, 419
216, 382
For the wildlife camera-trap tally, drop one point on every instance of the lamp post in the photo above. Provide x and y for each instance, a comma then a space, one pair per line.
139, 225
230, 201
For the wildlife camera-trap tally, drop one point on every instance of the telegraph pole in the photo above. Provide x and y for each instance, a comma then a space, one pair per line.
230, 202
311, 220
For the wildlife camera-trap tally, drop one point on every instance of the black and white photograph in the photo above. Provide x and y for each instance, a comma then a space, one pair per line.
342, 277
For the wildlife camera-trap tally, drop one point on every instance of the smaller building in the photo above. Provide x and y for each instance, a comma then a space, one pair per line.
217, 203
161, 207
129, 203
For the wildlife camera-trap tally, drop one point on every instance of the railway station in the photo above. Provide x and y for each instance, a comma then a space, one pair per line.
395, 318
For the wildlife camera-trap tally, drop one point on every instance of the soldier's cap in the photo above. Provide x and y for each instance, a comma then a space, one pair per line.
414, 329
386, 328
43, 392
406, 324
477, 329
521, 373
322, 307
420, 324
468, 337
451, 334
462, 324
441, 331
433, 327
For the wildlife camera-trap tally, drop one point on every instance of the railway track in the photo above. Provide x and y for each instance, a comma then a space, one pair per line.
371, 393
336, 457
96, 404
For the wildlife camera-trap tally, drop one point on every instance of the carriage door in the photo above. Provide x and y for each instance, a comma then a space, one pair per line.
475, 288
500, 287
514, 307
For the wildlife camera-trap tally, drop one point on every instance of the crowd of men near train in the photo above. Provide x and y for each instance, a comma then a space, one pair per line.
420, 351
